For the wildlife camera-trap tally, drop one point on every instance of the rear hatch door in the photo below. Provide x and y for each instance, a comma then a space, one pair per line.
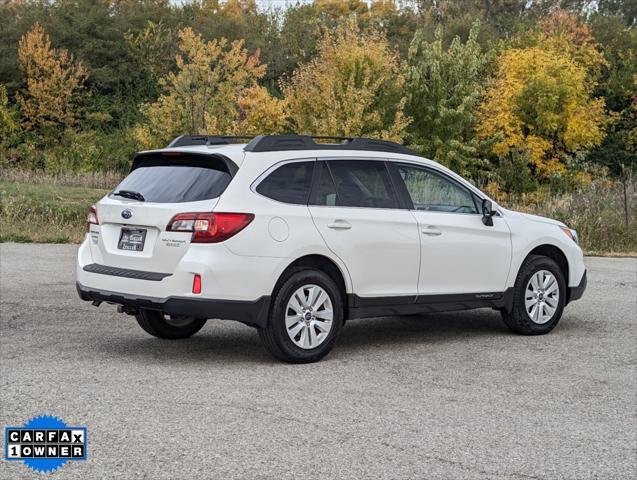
134, 216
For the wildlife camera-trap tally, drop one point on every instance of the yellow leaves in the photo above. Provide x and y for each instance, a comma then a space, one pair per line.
583, 179
238, 8
537, 148
493, 190
381, 8
584, 126
340, 8
259, 113
549, 167
353, 87
214, 90
540, 103
53, 82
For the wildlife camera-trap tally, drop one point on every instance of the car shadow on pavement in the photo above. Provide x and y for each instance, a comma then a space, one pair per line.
231, 342
431, 327
210, 345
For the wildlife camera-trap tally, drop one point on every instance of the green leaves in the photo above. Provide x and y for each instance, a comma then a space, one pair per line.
443, 87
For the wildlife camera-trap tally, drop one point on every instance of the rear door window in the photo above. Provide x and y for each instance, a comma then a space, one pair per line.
290, 183
184, 180
362, 183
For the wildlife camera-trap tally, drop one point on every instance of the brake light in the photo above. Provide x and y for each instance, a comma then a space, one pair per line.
91, 218
210, 227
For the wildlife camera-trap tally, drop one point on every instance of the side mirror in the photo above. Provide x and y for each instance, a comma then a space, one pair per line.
488, 211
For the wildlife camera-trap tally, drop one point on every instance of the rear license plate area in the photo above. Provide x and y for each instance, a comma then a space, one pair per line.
132, 239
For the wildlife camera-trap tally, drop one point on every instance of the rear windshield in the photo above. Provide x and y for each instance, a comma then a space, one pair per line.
184, 181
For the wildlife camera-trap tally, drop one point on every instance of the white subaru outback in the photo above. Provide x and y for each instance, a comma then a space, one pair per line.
293, 235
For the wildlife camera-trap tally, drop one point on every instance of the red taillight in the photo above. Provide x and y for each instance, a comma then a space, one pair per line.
91, 218
209, 227
196, 284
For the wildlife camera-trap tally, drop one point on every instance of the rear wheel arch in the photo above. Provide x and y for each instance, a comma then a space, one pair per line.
316, 262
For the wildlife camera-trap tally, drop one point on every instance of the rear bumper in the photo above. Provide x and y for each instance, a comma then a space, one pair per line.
224, 275
575, 293
253, 313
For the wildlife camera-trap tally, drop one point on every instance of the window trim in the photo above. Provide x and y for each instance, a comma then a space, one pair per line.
400, 190
394, 168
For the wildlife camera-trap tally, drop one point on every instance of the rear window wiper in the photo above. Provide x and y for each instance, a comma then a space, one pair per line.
130, 194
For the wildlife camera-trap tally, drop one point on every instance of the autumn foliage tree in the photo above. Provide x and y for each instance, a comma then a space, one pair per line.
53, 83
334, 67
353, 87
541, 103
214, 90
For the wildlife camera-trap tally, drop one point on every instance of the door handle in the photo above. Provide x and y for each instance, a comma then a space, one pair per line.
431, 230
339, 224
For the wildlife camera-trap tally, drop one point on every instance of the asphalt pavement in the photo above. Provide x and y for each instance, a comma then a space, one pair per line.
439, 396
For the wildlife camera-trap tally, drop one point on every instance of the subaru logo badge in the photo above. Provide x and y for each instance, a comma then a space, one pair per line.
127, 214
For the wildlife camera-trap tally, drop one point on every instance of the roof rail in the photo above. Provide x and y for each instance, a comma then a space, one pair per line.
186, 140
276, 143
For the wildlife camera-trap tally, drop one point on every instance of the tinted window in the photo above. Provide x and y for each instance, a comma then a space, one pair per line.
324, 191
289, 183
362, 184
435, 192
176, 183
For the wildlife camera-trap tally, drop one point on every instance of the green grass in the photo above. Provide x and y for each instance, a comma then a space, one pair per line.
41, 212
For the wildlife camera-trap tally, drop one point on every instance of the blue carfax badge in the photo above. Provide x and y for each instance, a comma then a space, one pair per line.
45, 443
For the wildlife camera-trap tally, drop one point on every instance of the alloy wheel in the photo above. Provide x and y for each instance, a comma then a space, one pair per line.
542, 295
308, 316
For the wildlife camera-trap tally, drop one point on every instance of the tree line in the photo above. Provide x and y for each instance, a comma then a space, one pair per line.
515, 94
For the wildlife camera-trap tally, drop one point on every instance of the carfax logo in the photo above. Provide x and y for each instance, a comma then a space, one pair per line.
45, 443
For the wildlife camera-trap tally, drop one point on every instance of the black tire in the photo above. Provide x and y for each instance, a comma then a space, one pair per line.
157, 325
275, 337
519, 320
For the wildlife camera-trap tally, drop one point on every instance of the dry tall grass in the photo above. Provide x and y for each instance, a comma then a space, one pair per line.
103, 180
597, 212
